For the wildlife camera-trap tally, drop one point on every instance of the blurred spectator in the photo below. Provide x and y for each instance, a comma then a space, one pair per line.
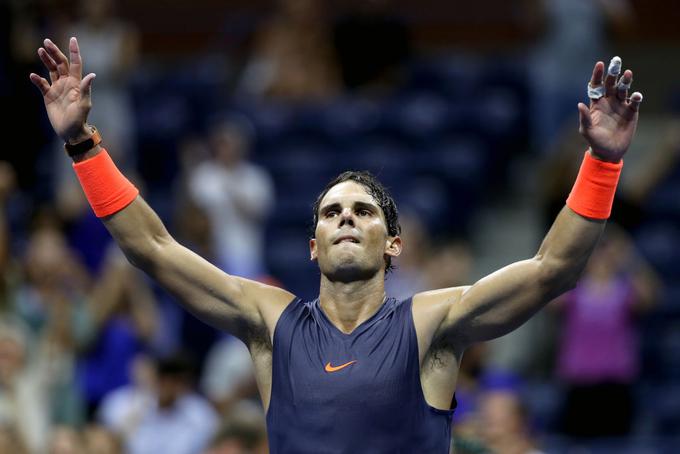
192, 224
91, 439
503, 423
228, 376
449, 264
598, 356
10, 441
575, 36
110, 48
7, 184
293, 57
372, 45
236, 195
97, 439
124, 322
24, 400
66, 440
242, 432
167, 417
466, 422
409, 275
52, 301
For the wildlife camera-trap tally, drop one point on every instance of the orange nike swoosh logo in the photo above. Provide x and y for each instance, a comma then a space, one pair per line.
330, 368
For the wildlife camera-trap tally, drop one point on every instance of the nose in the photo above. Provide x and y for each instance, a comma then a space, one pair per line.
346, 217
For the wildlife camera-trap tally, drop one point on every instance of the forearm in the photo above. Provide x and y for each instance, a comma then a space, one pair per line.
139, 233
136, 228
565, 250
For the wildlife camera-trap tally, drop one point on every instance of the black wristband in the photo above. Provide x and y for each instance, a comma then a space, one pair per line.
84, 146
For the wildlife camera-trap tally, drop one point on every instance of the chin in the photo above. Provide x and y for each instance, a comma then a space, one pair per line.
349, 271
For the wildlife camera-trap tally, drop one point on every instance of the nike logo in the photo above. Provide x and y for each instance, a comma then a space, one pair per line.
330, 368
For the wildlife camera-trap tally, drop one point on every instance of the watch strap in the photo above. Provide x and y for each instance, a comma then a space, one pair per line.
84, 146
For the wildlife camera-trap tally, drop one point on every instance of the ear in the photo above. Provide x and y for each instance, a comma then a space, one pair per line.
393, 246
312, 249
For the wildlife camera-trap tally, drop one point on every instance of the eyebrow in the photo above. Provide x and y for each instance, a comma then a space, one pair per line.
358, 204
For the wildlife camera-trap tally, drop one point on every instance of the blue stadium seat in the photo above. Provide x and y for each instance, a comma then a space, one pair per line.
660, 244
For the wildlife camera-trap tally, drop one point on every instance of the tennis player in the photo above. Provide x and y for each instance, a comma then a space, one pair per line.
353, 371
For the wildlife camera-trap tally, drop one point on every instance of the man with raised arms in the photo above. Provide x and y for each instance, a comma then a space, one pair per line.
353, 371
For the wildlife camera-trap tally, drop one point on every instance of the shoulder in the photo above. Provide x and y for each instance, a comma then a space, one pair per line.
433, 312
438, 303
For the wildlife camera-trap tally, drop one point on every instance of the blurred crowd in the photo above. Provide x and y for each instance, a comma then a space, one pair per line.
95, 358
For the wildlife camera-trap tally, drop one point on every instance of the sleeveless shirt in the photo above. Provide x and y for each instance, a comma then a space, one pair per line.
351, 393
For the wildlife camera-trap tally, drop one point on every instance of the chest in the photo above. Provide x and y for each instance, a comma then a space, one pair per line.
373, 364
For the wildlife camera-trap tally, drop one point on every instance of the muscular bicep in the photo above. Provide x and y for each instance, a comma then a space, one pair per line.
497, 303
502, 301
239, 306
227, 302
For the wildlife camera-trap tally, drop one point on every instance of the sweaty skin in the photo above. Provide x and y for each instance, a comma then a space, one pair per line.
350, 245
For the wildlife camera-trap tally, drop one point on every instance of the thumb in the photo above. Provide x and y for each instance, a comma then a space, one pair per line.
86, 86
585, 121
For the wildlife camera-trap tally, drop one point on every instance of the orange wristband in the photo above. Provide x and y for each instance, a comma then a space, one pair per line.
107, 190
593, 193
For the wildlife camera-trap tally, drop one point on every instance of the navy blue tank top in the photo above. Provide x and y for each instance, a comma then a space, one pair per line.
351, 393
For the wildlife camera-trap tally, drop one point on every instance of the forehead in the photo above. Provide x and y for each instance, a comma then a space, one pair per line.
346, 193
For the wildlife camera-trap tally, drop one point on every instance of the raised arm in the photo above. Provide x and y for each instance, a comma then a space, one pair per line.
502, 301
227, 302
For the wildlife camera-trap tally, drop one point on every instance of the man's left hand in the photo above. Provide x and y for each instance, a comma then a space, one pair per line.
609, 123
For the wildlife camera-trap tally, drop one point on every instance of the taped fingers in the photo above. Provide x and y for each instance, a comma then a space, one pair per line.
635, 101
595, 86
613, 72
623, 85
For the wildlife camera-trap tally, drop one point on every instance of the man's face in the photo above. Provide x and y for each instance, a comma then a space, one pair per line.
350, 238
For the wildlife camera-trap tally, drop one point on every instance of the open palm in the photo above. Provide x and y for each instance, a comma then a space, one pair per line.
67, 98
609, 123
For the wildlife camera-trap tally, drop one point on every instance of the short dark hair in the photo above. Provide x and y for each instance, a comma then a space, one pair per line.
377, 191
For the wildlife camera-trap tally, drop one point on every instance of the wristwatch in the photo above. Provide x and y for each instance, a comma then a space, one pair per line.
86, 145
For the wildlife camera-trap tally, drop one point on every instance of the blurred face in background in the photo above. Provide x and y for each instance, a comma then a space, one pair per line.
99, 440
47, 257
229, 144
169, 388
65, 440
12, 356
97, 11
501, 415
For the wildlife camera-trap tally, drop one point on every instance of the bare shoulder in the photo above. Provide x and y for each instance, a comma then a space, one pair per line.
266, 301
432, 312
437, 304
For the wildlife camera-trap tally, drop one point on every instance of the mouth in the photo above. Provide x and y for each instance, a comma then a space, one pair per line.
346, 239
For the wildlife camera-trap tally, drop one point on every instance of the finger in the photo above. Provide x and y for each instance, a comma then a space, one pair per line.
58, 56
40, 82
76, 66
86, 88
585, 121
623, 85
635, 101
595, 84
612, 75
49, 63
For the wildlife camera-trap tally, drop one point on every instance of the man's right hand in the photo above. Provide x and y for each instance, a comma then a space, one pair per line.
67, 98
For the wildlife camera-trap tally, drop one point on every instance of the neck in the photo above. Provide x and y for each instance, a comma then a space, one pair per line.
349, 304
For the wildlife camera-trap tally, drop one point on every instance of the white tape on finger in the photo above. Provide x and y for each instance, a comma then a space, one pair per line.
623, 86
614, 67
595, 92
